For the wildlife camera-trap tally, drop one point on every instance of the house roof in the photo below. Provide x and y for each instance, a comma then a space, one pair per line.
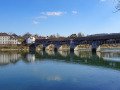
4, 34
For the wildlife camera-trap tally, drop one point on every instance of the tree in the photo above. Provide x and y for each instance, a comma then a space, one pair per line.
26, 35
81, 35
36, 36
118, 5
52, 36
73, 36
58, 35
15, 35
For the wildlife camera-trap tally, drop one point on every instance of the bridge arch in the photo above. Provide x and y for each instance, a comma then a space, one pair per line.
50, 47
82, 47
64, 47
39, 47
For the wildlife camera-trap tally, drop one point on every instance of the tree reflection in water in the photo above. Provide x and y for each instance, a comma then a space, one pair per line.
104, 59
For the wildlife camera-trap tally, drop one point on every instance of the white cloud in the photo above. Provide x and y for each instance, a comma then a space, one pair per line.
35, 22
74, 12
45, 15
102, 0
41, 17
57, 13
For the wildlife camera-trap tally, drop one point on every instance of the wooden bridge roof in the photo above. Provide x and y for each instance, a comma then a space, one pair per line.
100, 37
87, 38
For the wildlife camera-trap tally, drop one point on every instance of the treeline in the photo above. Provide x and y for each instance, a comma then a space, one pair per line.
37, 36
22, 38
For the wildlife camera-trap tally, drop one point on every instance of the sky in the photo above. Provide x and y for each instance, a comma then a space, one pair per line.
65, 17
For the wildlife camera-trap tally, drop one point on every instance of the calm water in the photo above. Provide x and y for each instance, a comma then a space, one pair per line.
59, 71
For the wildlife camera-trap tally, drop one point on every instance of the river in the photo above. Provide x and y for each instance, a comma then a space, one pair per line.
59, 71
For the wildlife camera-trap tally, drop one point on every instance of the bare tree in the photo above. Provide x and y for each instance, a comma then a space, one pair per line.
26, 35
80, 34
118, 5
72, 36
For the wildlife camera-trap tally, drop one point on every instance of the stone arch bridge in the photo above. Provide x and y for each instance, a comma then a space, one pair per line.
89, 43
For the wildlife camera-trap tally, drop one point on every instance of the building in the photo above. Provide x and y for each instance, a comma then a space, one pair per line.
30, 40
6, 39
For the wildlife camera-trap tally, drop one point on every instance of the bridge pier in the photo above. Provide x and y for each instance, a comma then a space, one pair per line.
94, 46
94, 50
43, 48
71, 49
55, 49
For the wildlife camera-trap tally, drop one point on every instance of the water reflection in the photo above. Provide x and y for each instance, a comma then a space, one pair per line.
50, 52
30, 57
54, 78
98, 54
59, 71
82, 54
64, 53
109, 60
7, 58
111, 56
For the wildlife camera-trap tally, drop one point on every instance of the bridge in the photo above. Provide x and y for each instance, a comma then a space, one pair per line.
91, 43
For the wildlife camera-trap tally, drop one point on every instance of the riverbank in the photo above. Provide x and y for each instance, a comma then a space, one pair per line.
14, 48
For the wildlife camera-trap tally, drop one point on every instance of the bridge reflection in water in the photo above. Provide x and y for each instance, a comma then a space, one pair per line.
108, 60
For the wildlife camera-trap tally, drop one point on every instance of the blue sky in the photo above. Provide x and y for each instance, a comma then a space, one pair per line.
65, 17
